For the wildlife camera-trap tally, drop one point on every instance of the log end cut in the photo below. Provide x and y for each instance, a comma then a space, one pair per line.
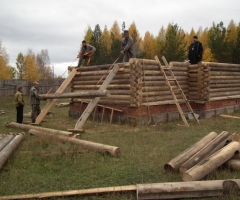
186, 177
169, 168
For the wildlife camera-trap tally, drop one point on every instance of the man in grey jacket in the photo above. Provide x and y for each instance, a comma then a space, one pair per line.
85, 52
35, 101
128, 48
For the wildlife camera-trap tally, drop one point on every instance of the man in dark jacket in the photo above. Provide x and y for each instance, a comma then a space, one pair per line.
128, 48
35, 101
195, 51
19, 102
85, 52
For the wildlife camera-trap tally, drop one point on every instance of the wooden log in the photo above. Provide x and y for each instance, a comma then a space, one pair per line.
229, 116
226, 97
223, 81
101, 148
180, 190
99, 67
117, 97
224, 77
179, 64
206, 151
69, 193
158, 73
87, 94
66, 104
112, 91
89, 87
161, 78
106, 101
159, 93
224, 69
233, 164
162, 87
102, 72
207, 165
5, 141
87, 78
9, 149
220, 94
215, 90
174, 164
26, 127
231, 85
222, 65
223, 73
160, 98
163, 83
94, 82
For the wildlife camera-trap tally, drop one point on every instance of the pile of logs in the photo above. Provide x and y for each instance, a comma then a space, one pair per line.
8, 144
206, 155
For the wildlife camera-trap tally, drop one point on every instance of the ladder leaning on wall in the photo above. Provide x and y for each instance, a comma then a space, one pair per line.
176, 89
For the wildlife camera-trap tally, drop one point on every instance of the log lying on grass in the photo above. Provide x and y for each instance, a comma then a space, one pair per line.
174, 164
5, 141
87, 94
9, 149
210, 148
207, 165
179, 190
48, 130
101, 148
93, 191
233, 164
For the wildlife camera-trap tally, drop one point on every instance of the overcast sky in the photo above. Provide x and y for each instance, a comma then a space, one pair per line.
60, 25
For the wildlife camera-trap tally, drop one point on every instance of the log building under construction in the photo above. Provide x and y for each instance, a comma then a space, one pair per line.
139, 93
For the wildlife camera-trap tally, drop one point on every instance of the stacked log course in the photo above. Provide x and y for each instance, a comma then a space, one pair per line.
206, 155
224, 81
137, 83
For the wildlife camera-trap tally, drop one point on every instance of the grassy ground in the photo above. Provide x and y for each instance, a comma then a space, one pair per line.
40, 165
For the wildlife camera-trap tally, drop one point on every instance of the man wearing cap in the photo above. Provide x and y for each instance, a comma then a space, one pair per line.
195, 51
128, 49
85, 52
19, 102
35, 101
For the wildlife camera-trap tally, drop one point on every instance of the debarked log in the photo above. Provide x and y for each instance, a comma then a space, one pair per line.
87, 78
221, 73
89, 87
162, 88
9, 149
102, 72
225, 77
225, 89
222, 65
189, 190
226, 85
227, 93
161, 78
26, 127
223, 81
106, 101
94, 82
174, 164
99, 67
163, 83
161, 92
210, 163
233, 164
158, 73
112, 91
207, 150
5, 141
101, 148
179, 64
84, 94
160, 98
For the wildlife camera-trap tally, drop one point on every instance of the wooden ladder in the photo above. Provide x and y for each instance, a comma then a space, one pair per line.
92, 104
176, 89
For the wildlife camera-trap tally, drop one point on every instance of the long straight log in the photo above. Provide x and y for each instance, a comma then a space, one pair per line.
111, 91
222, 65
189, 190
207, 165
226, 97
118, 97
224, 77
225, 89
94, 82
102, 72
106, 102
223, 81
99, 67
68, 193
226, 85
101, 148
158, 93
158, 73
26, 127
160, 98
87, 94
221, 73
179, 64
162, 83
207, 150
87, 78
220, 94
161, 88
161, 78
174, 164
120, 86
5, 141
9, 149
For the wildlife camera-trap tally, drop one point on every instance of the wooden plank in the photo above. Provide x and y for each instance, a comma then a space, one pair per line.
95, 100
229, 116
51, 102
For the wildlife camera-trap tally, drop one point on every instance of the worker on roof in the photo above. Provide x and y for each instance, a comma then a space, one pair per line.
85, 53
128, 47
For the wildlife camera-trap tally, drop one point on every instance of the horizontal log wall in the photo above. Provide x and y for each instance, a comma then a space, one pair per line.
140, 82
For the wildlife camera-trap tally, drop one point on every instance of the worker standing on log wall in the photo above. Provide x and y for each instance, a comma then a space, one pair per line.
128, 49
19, 102
35, 101
85, 53
195, 51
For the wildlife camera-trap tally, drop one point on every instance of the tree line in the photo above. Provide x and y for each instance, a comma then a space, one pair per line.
221, 44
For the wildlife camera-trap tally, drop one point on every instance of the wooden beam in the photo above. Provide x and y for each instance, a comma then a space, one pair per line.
95, 100
51, 102
84, 94
229, 116
101, 148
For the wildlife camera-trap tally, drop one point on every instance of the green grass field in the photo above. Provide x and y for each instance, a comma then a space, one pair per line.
41, 165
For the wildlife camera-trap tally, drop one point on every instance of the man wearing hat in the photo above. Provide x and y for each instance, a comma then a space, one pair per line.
35, 101
128, 48
195, 51
85, 52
